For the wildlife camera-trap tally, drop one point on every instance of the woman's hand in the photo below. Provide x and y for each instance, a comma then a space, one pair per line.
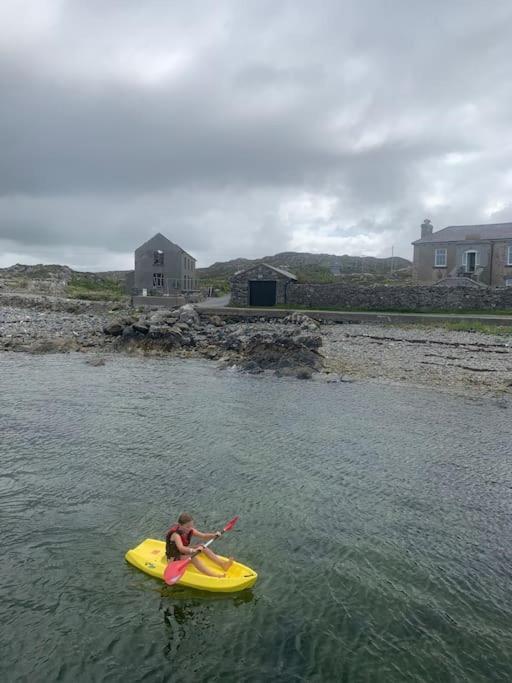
217, 534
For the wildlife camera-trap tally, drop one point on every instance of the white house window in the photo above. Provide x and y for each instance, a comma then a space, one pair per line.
509, 256
440, 258
158, 258
508, 282
158, 280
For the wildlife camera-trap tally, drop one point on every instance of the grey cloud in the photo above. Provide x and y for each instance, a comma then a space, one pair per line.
202, 123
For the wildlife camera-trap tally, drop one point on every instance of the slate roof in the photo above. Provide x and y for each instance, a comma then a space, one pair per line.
474, 233
286, 273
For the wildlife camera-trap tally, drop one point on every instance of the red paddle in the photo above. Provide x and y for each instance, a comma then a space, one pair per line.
176, 568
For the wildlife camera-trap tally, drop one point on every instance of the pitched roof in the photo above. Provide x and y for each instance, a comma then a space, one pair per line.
158, 236
286, 273
475, 233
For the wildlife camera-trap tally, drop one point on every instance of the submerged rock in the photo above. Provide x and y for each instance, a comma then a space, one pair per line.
95, 362
52, 346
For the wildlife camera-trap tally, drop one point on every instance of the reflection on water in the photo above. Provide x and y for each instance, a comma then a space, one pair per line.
378, 519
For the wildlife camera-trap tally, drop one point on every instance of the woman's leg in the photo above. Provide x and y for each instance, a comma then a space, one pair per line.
224, 564
204, 569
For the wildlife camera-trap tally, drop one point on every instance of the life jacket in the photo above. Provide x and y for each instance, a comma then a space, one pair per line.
171, 549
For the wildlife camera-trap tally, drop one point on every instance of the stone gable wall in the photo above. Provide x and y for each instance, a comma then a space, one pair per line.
261, 273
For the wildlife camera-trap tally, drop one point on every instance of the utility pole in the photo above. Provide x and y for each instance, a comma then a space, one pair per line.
392, 258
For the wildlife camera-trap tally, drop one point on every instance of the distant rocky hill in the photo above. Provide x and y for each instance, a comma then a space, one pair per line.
62, 281
313, 267
58, 273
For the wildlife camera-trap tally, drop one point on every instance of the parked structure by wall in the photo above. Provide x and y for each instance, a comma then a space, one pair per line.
260, 285
479, 252
163, 268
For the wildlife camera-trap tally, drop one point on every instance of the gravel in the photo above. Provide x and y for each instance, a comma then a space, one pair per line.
451, 360
21, 329
470, 363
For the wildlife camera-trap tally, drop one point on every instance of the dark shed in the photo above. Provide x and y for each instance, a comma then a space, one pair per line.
260, 285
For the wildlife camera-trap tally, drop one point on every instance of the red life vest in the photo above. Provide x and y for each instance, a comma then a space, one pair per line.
171, 549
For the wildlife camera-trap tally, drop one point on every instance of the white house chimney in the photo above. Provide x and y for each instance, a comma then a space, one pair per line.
426, 229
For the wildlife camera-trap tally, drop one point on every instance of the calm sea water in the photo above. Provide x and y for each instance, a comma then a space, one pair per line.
378, 518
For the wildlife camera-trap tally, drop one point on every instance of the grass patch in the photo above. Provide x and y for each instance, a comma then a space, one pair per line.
94, 290
219, 283
463, 326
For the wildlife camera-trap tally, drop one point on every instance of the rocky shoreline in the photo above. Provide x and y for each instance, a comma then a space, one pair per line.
466, 363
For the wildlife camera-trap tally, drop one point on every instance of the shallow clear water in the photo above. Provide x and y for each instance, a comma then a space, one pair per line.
377, 517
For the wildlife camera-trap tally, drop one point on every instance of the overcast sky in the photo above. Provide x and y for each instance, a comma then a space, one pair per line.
244, 128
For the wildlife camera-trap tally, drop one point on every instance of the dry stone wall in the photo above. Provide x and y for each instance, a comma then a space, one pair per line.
396, 298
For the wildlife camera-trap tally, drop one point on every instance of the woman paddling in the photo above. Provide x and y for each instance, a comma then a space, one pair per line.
177, 546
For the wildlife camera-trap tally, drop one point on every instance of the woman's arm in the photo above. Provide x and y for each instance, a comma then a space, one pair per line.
205, 536
183, 549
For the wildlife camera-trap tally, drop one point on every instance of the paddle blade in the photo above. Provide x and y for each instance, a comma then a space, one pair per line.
174, 571
231, 524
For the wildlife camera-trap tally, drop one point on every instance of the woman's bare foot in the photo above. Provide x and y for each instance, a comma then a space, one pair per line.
228, 564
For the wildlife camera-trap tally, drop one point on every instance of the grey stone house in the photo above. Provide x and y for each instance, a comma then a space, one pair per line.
162, 267
260, 285
480, 252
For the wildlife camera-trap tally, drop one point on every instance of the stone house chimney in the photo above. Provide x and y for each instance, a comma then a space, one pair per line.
426, 229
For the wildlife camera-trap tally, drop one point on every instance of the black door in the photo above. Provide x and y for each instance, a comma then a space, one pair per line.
262, 292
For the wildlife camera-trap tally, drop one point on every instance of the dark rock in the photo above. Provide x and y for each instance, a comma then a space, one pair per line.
114, 329
166, 333
285, 372
217, 321
304, 373
95, 362
129, 332
251, 367
141, 327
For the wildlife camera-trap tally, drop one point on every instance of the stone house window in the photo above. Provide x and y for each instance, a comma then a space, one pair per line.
470, 260
509, 256
158, 279
158, 258
440, 258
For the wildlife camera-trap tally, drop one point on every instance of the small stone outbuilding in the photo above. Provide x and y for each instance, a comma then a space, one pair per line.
260, 285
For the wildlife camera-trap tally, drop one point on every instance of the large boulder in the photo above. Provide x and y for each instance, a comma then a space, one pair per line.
159, 317
166, 334
130, 332
114, 329
274, 349
188, 314
301, 320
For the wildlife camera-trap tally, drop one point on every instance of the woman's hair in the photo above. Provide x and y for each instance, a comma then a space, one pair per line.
184, 518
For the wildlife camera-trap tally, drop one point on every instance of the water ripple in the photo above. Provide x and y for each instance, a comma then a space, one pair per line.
377, 518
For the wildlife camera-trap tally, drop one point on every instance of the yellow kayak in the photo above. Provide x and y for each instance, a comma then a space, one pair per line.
149, 557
